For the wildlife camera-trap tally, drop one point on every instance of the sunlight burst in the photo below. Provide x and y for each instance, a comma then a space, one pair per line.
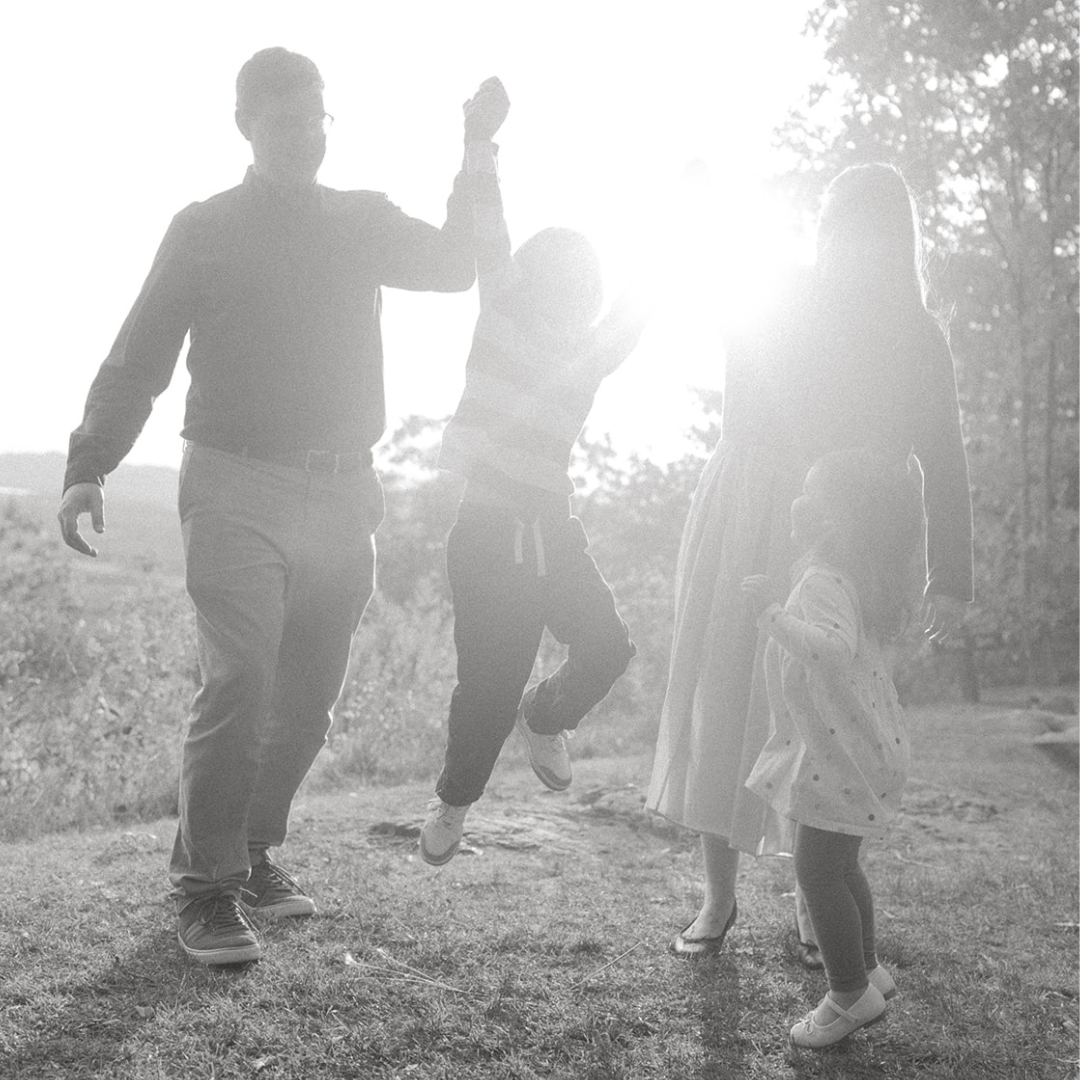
709, 263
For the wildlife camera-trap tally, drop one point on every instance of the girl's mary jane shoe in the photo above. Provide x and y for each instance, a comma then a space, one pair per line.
811, 1035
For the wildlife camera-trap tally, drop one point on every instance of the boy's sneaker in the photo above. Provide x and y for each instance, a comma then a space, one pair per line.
548, 755
214, 930
440, 836
271, 891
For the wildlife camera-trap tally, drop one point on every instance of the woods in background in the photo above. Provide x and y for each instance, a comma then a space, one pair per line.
977, 104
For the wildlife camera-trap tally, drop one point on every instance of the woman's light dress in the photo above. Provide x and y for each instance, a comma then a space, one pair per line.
809, 382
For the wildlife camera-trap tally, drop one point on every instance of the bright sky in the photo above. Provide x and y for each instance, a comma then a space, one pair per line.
119, 114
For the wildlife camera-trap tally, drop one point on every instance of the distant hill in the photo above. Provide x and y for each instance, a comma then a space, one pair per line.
43, 474
142, 529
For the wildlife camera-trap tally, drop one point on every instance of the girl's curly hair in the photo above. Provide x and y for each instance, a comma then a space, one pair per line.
876, 539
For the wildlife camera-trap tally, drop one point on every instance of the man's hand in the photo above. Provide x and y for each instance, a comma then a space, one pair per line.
941, 615
761, 591
486, 110
81, 499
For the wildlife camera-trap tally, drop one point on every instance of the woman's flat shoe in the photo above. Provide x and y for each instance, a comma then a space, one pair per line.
811, 1035
809, 955
703, 946
807, 952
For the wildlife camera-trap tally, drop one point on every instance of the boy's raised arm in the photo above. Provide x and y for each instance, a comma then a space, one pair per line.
484, 115
618, 333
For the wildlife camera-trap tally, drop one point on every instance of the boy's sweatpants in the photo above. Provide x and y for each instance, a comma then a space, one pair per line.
510, 579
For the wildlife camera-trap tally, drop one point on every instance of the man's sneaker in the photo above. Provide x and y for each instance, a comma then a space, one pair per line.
548, 755
440, 836
271, 891
214, 930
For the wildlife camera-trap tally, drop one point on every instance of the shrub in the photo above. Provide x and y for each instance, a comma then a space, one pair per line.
91, 708
389, 725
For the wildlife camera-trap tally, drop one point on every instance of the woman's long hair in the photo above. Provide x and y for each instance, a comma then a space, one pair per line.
874, 506
869, 235
858, 370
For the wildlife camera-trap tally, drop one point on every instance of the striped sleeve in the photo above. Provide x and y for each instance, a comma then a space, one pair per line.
616, 336
491, 239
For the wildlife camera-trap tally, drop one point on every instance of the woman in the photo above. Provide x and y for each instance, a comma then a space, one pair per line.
850, 358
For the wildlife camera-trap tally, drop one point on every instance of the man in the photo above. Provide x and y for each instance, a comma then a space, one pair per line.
277, 282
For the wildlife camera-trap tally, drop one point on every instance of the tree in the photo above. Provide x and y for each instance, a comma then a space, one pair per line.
421, 503
633, 510
977, 102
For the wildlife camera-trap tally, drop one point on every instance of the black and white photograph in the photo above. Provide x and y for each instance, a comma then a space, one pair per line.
541, 541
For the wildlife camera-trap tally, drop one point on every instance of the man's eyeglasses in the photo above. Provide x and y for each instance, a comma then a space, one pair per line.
311, 125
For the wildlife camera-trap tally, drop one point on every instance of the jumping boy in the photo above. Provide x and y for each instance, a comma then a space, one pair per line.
516, 559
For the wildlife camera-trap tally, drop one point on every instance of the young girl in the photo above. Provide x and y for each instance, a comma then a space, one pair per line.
837, 754
516, 559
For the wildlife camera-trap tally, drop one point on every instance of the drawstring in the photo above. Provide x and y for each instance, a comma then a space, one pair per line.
519, 531
538, 543
538, 540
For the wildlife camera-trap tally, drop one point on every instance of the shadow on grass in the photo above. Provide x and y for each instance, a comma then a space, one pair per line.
94, 1028
718, 1000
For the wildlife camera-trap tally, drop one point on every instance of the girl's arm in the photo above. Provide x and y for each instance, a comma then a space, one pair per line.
819, 624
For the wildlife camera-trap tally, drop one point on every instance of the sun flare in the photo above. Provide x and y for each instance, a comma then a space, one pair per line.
709, 265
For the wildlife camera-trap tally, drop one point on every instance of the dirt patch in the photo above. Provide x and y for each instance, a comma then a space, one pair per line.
535, 822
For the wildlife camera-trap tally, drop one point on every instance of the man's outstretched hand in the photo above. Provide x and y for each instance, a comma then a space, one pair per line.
81, 499
486, 110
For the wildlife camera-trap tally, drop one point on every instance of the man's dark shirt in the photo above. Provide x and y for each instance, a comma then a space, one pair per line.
280, 293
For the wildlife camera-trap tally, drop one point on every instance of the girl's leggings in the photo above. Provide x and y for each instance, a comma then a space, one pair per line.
841, 907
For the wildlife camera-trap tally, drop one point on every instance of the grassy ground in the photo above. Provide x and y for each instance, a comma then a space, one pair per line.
542, 952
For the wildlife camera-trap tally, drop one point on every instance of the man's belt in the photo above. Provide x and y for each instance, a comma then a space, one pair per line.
315, 461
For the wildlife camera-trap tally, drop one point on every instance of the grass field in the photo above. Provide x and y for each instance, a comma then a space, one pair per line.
542, 951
